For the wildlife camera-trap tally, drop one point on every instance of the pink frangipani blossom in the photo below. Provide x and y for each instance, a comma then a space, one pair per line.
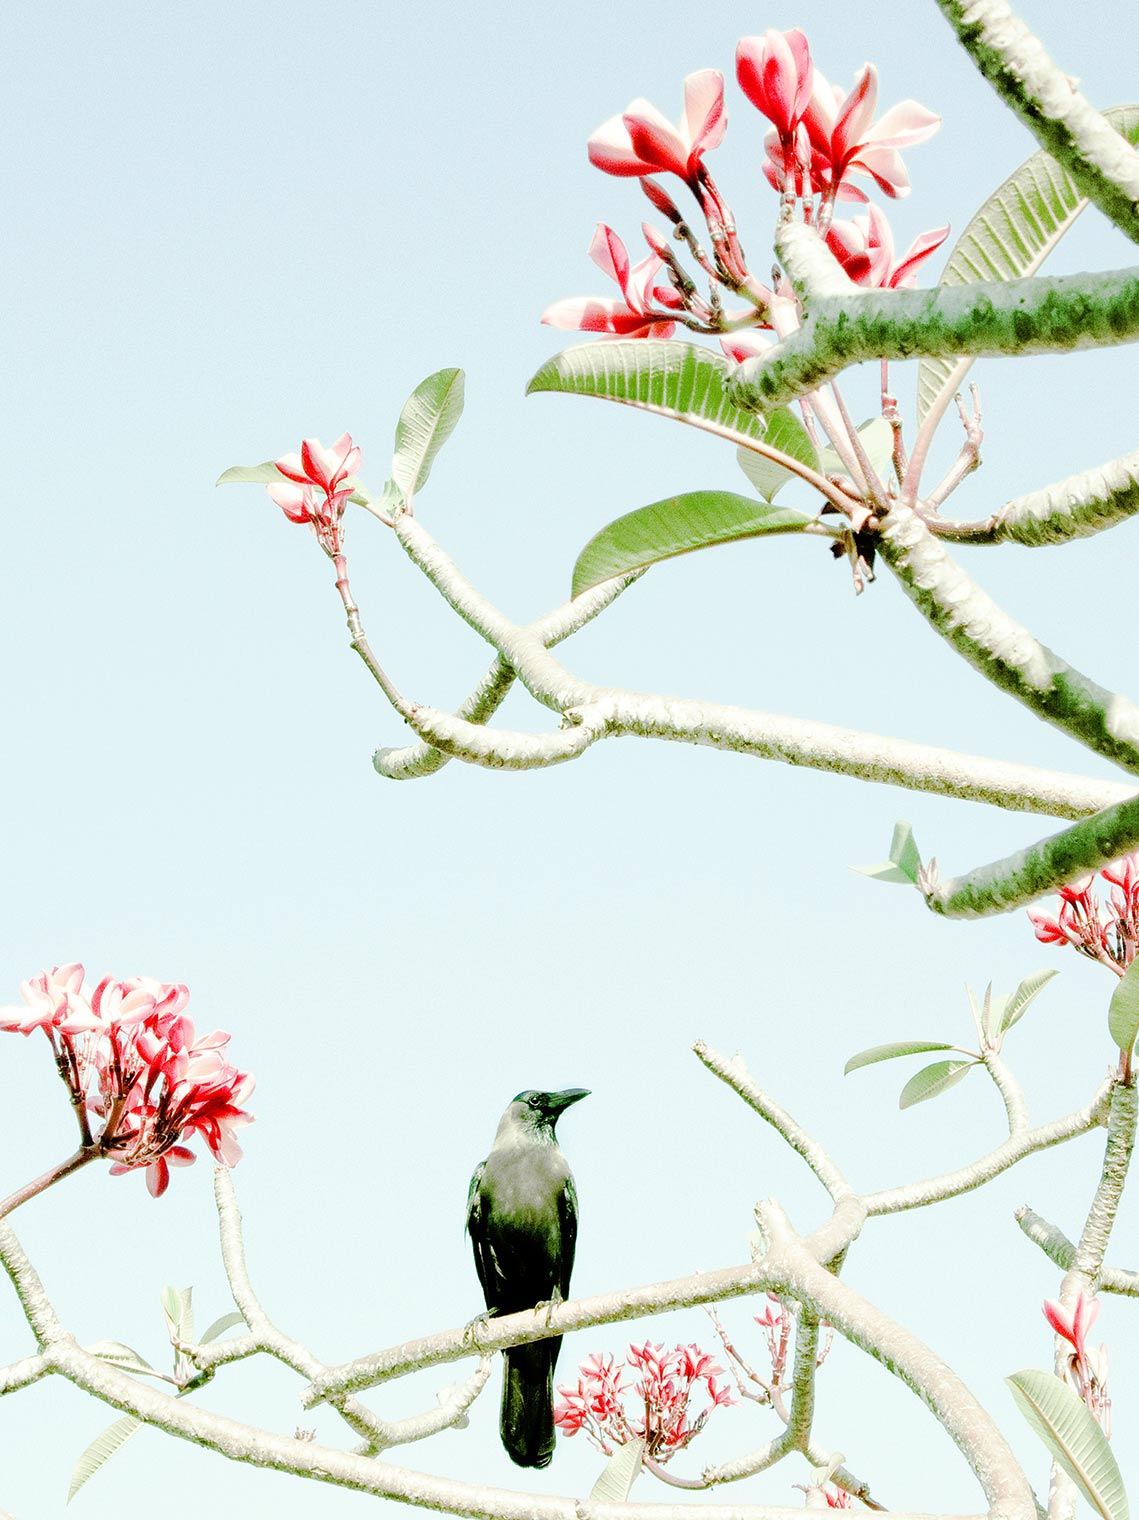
134, 1064
1073, 1324
1104, 931
1086, 1369
642, 141
52, 999
326, 468
864, 247
775, 73
846, 140
316, 488
660, 1408
643, 311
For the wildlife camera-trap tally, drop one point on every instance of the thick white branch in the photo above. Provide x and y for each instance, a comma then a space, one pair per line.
916, 1195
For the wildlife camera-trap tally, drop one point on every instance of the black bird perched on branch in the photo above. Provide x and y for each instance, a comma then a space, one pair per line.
522, 1219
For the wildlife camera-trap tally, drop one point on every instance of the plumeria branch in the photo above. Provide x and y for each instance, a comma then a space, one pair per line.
1020, 878
1076, 507
484, 701
1012, 1094
1058, 1248
24, 1373
1002, 649
264, 1336
1104, 165
594, 713
918, 1195
736, 1075
847, 325
1092, 1245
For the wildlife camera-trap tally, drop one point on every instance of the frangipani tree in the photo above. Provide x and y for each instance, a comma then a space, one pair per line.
842, 296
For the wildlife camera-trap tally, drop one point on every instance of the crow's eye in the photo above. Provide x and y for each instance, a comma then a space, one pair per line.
535, 1100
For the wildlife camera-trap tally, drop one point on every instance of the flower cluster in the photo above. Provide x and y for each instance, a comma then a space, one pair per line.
319, 483
132, 1061
821, 140
662, 1384
1086, 1369
1105, 931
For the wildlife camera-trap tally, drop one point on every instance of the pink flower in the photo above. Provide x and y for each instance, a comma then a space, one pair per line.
1107, 932
319, 487
122, 1003
845, 140
1124, 873
54, 999
641, 141
661, 1409
635, 316
775, 73
865, 249
1086, 1369
315, 465
1073, 1324
837, 1498
1048, 931
748, 344
130, 1057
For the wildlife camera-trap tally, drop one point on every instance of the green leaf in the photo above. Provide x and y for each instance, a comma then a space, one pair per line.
266, 474
619, 1473
787, 434
877, 438
391, 497
904, 862
1017, 1005
224, 1322
932, 1081
890, 1051
1123, 1013
1070, 1431
1011, 236
119, 1355
678, 380
678, 525
102, 1447
177, 1305
428, 419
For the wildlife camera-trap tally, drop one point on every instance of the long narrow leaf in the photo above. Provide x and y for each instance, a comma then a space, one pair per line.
679, 380
119, 1353
428, 419
1070, 1432
619, 1473
933, 1080
678, 525
787, 434
1011, 236
877, 439
1018, 1005
266, 474
904, 862
891, 1051
224, 1322
1123, 1013
100, 1449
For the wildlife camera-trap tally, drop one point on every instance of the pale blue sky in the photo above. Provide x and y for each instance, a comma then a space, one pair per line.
233, 225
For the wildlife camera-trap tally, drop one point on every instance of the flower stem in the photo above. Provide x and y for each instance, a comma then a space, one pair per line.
82, 1156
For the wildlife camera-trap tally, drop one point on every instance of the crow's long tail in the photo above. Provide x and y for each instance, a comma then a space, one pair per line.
527, 1421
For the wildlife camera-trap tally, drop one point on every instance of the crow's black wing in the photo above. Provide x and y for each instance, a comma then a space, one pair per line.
485, 1264
567, 1219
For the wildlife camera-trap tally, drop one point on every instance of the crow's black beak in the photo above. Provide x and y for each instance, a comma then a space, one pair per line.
557, 1103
